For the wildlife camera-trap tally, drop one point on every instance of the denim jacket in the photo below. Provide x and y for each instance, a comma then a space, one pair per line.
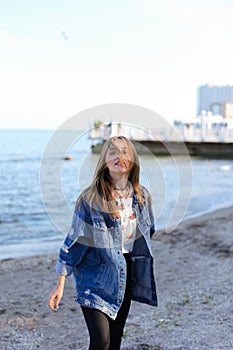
92, 251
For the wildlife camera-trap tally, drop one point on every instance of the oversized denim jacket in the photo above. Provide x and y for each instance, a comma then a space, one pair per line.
92, 251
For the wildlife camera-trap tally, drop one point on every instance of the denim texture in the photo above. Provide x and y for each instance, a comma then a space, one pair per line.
92, 252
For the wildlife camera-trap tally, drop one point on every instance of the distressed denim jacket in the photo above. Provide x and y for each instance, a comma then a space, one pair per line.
92, 251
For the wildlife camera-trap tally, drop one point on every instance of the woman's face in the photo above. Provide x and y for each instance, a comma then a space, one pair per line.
118, 158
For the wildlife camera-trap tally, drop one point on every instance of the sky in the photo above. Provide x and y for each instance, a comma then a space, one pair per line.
59, 57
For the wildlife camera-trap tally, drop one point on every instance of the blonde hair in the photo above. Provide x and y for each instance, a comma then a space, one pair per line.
99, 193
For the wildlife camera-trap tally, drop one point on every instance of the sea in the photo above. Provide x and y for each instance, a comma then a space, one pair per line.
42, 172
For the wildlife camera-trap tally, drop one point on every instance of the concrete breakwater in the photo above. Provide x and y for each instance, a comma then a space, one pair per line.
176, 148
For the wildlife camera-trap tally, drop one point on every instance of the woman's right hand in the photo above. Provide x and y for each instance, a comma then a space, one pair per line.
56, 295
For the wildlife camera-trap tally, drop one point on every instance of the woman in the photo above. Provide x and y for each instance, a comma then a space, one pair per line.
108, 246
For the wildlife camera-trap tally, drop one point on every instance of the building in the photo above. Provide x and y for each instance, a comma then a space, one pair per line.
215, 99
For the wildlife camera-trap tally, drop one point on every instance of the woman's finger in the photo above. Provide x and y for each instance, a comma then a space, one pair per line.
52, 301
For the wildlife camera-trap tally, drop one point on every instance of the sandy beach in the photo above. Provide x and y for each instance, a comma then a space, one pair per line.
194, 272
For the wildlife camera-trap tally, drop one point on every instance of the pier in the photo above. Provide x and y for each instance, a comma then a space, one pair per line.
214, 142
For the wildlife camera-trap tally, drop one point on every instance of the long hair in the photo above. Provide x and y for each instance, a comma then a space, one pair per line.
99, 193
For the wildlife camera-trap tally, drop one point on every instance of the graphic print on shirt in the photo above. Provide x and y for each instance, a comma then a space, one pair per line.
128, 223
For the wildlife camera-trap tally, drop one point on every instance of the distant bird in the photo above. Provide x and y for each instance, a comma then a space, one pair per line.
64, 35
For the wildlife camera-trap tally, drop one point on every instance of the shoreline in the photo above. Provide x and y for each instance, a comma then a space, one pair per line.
193, 268
200, 215
54, 251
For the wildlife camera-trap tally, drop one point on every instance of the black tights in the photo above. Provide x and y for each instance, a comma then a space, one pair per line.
105, 333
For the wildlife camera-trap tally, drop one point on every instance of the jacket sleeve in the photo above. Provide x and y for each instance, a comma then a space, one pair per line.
76, 243
150, 210
152, 228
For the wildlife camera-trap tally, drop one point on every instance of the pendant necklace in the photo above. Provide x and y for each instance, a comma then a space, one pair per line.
122, 192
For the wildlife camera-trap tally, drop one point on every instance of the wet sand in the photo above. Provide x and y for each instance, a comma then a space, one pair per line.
194, 271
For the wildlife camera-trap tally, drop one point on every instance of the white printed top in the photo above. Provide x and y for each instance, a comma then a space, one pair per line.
128, 223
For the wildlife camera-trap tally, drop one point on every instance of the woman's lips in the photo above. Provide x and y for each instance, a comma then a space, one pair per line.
120, 163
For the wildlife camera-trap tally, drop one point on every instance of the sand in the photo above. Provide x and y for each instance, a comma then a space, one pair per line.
194, 271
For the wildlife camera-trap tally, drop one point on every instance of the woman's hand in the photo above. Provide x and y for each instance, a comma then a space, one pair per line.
56, 295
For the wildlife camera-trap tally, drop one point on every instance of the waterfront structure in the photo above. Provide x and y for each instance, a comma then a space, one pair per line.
217, 100
210, 134
196, 139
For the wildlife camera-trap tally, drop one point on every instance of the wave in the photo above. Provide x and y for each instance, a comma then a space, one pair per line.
20, 217
20, 160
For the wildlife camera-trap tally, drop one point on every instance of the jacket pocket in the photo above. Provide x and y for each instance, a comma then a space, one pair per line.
143, 283
141, 268
93, 280
100, 233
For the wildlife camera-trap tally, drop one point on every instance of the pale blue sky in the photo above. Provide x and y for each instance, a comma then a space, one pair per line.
59, 57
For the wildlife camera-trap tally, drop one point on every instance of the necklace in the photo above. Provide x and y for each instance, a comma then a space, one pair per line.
121, 193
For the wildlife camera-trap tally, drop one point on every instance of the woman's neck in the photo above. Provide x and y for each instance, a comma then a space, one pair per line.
121, 185
120, 182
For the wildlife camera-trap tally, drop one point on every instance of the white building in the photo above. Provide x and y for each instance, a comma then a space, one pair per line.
215, 99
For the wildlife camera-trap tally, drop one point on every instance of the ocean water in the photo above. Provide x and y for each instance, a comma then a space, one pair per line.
39, 188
